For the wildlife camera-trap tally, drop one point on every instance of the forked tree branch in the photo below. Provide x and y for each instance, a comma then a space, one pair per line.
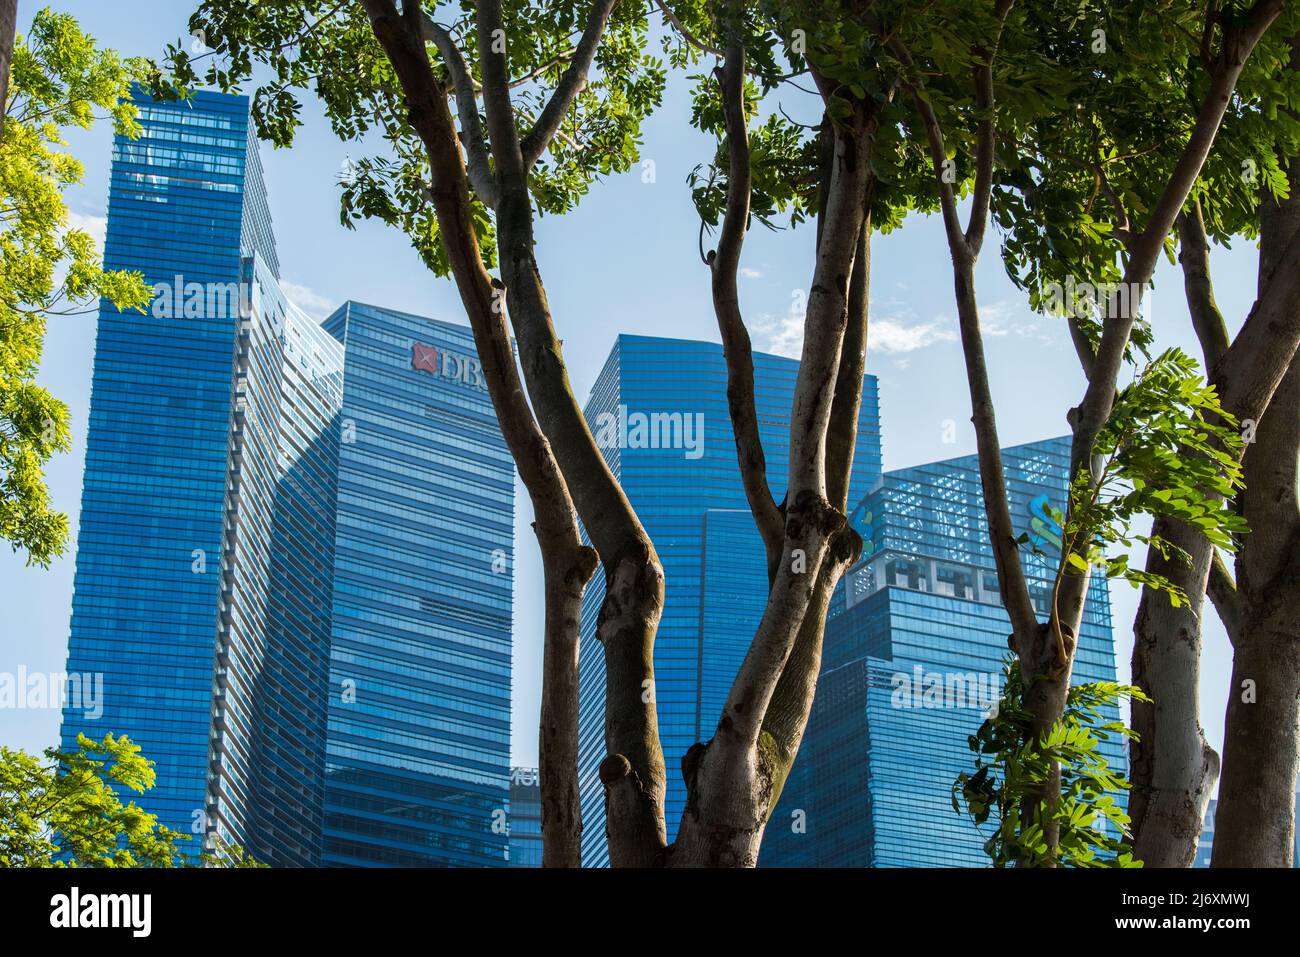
964, 246
1099, 398
724, 264
568, 563
634, 581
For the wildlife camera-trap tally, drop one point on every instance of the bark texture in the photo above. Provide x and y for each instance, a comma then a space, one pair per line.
1256, 809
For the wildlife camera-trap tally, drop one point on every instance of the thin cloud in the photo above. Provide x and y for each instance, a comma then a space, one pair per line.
892, 336
783, 335
307, 299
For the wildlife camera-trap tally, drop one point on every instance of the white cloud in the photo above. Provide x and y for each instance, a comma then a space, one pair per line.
888, 335
893, 336
307, 299
748, 273
91, 223
784, 334
1006, 318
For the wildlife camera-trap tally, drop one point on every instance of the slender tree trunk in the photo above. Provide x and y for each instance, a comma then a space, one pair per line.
1173, 767
564, 586
733, 781
8, 33
1255, 821
633, 773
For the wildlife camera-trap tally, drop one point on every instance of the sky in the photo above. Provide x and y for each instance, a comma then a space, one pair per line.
626, 261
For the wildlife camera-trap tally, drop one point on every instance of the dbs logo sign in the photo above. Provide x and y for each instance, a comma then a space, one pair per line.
453, 366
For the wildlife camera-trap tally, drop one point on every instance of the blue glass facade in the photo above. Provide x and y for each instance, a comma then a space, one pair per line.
294, 561
1205, 843
525, 818
419, 714
185, 201
913, 655
659, 412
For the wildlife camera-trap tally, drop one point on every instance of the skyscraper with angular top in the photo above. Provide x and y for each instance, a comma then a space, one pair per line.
912, 662
296, 541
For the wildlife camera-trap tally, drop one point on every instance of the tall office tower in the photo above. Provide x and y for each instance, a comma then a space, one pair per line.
418, 757
912, 662
186, 208
235, 451
525, 818
659, 412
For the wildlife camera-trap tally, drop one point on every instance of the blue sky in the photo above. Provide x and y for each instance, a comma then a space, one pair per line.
626, 261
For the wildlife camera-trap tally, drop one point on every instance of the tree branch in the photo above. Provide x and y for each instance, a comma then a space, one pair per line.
986, 134
1090, 416
1223, 592
569, 564
571, 84
478, 166
686, 34
1194, 257
634, 580
724, 264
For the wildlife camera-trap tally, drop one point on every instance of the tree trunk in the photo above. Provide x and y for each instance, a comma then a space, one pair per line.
1173, 767
8, 33
565, 584
1255, 821
733, 781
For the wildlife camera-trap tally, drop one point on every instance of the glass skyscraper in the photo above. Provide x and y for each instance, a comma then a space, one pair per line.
295, 550
186, 207
659, 412
418, 753
913, 655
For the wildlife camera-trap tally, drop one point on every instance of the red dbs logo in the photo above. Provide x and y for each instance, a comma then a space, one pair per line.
425, 358
451, 366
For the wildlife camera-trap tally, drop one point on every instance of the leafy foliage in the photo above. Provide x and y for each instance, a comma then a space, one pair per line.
785, 42
65, 811
330, 48
1169, 449
1123, 83
1011, 766
47, 266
